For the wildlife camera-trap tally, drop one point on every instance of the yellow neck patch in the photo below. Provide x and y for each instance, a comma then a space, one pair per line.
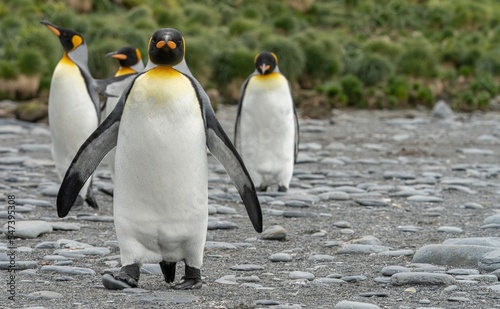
163, 71
124, 71
268, 76
66, 60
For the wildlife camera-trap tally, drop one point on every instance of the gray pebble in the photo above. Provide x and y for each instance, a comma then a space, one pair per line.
34, 202
68, 270
409, 228
490, 261
346, 304
342, 224
321, 258
30, 229
462, 271
301, 275
229, 279
382, 280
334, 196
298, 214
425, 278
151, 269
424, 199
274, 232
64, 278
393, 269
216, 245
266, 302
472, 205
65, 226
280, 257
458, 299
224, 210
20, 265
54, 258
398, 175
441, 110
361, 249
294, 203
450, 229
212, 210
39, 295
366, 240
248, 279
221, 225
96, 218
47, 245
451, 255
85, 251
372, 202
372, 294
356, 278
35, 148
326, 281
247, 267
476, 151
480, 278
494, 219
478, 241
402, 252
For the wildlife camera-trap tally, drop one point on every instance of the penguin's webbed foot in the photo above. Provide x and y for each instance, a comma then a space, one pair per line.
261, 188
282, 189
128, 277
168, 270
191, 280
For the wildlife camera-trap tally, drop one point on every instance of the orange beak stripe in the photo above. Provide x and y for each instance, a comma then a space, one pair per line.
119, 56
171, 44
53, 29
160, 44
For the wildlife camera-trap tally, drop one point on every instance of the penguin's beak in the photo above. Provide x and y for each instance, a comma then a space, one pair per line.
116, 55
52, 27
264, 67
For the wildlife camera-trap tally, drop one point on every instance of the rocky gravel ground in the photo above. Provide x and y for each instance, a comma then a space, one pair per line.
386, 210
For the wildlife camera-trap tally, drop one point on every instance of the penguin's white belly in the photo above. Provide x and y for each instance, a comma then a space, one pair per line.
161, 192
72, 115
267, 133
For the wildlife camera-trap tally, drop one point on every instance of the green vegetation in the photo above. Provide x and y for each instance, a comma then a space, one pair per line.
349, 53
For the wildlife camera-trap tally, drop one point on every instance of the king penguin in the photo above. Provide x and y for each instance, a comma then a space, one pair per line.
130, 64
74, 106
267, 129
160, 127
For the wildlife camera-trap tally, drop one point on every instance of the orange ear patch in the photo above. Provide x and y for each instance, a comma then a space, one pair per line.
171, 44
138, 54
160, 44
76, 40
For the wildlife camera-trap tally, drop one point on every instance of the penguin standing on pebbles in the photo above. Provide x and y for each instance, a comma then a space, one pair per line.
74, 107
161, 127
267, 130
130, 64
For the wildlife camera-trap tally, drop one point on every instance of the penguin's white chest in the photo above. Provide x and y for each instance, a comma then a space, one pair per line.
72, 115
160, 193
267, 130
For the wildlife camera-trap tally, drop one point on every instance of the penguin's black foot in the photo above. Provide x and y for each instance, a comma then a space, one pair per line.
191, 280
282, 189
168, 270
90, 198
128, 277
262, 188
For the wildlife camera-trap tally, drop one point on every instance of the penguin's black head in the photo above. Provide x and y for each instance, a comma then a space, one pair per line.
127, 56
69, 39
166, 47
266, 62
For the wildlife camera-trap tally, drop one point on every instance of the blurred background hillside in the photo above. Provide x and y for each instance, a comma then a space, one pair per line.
336, 53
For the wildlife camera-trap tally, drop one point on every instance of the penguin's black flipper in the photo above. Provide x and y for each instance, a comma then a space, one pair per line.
105, 86
88, 157
221, 147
